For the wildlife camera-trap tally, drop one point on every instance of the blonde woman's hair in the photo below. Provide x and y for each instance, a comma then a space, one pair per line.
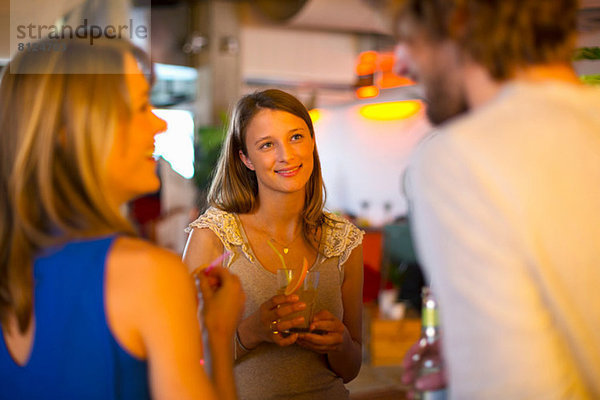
57, 130
234, 187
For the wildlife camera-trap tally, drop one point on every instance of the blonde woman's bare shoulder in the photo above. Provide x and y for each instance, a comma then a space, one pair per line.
142, 264
139, 253
141, 280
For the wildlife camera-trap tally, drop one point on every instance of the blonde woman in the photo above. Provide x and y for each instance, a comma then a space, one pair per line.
88, 311
268, 188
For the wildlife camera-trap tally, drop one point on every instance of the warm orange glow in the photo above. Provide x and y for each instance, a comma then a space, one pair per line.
386, 61
391, 111
367, 57
367, 63
365, 69
390, 80
366, 92
315, 115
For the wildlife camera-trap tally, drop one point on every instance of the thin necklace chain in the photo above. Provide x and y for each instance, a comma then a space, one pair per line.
286, 247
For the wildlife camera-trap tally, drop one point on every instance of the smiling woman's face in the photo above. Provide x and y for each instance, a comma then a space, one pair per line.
131, 169
280, 151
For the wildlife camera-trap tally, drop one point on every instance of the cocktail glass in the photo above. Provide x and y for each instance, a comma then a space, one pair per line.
307, 292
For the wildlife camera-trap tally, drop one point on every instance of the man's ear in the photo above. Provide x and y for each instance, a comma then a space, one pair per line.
246, 161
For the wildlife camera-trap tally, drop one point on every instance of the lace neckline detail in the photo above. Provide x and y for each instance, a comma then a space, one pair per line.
338, 237
249, 253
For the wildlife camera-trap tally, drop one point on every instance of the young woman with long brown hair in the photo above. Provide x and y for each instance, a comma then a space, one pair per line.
268, 191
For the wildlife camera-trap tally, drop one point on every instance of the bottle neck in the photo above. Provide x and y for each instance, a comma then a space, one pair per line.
430, 319
430, 333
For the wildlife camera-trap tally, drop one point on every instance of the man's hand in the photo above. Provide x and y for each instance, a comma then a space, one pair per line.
412, 364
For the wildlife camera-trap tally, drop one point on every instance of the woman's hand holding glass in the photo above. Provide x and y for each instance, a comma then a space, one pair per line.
330, 336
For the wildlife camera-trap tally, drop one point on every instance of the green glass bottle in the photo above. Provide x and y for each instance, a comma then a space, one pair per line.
430, 360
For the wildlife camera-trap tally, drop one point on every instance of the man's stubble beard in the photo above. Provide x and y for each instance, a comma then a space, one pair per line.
444, 104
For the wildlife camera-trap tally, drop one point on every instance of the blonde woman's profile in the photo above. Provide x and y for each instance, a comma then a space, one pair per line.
87, 309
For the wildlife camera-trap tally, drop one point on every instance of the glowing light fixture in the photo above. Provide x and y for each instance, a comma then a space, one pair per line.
368, 58
365, 69
391, 111
388, 77
367, 92
315, 115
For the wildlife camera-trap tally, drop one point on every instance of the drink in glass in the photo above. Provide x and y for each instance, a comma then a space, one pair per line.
307, 292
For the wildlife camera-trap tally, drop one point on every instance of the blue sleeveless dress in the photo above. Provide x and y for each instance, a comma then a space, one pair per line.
74, 355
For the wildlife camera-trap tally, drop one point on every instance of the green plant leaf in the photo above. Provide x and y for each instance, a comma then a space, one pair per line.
592, 79
587, 53
209, 140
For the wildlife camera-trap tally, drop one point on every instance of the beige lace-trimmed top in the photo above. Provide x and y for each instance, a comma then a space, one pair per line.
292, 372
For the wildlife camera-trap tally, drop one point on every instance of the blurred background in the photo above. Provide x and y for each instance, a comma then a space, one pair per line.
337, 57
